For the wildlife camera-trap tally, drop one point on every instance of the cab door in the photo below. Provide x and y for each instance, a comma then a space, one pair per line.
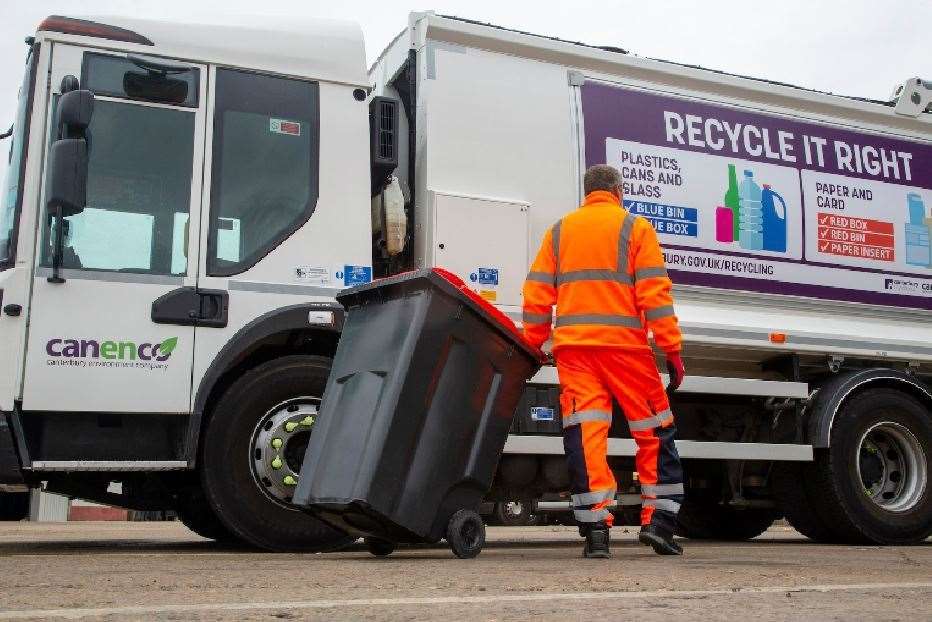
92, 343
17, 193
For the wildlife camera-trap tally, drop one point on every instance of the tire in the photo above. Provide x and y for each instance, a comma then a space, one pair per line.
227, 470
793, 496
466, 534
711, 521
380, 548
195, 513
872, 483
517, 513
14, 506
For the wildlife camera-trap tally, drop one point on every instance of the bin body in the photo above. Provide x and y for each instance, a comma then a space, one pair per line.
416, 411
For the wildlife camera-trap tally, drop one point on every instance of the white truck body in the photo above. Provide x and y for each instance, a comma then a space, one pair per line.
109, 373
503, 125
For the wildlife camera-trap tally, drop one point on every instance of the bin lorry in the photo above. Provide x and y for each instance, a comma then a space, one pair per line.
183, 202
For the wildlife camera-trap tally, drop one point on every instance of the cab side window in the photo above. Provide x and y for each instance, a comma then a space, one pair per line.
264, 178
140, 163
138, 192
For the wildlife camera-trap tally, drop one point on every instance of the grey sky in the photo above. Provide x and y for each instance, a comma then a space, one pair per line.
852, 47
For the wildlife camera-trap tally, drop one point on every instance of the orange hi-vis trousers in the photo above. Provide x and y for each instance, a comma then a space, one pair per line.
589, 378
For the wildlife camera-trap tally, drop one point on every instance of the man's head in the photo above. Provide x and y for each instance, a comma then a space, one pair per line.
603, 177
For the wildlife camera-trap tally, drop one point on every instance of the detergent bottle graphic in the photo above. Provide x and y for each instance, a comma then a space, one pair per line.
733, 202
751, 219
774, 220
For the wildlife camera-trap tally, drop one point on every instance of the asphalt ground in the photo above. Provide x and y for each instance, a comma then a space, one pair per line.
146, 571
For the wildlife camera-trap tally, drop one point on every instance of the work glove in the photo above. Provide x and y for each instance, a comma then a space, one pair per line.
676, 370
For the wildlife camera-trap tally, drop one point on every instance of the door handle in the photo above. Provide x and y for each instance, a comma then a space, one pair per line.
13, 310
190, 306
213, 308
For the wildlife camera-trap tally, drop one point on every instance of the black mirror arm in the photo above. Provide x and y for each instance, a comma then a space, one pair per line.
58, 248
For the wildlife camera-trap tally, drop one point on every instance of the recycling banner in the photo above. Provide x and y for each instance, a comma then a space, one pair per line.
767, 203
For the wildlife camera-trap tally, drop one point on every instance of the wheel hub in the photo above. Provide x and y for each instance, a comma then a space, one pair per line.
278, 446
514, 508
892, 466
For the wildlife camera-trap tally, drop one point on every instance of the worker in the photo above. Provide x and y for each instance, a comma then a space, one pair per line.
604, 270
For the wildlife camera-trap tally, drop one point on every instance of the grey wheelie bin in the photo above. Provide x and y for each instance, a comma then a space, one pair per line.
415, 414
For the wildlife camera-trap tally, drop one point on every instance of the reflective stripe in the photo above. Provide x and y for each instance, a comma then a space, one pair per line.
536, 318
659, 312
662, 489
594, 275
662, 504
627, 321
649, 273
624, 239
541, 277
591, 516
651, 422
587, 415
555, 245
596, 496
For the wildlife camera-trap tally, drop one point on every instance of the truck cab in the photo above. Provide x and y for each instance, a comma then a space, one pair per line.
210, 237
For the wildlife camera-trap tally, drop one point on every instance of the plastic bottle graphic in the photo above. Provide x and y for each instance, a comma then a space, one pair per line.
733, 202
751, 218
917, 209
774, 220
918, 248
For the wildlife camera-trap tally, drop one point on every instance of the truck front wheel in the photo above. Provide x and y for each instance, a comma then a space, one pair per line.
872, 484
196, 514
252, 450
14, 505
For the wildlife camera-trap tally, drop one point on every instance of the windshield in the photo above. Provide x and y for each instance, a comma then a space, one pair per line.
13, 179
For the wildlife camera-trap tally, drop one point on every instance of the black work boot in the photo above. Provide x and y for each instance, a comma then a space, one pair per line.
596, 540
660, 540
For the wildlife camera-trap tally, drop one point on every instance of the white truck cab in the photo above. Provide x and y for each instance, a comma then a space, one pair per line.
184, 201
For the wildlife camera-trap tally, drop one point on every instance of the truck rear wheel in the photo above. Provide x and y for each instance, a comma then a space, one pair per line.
252, 451
789, 483
702, 521
516, 513
872, 483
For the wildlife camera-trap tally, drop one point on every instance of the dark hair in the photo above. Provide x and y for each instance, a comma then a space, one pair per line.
601, 177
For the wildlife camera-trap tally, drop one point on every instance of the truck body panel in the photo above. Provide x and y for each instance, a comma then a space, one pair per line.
517, 117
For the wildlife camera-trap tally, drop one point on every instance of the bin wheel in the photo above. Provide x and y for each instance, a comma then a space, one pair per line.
380, 548
466, 534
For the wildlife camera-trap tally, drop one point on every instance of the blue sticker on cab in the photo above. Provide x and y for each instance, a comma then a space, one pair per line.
541, 413
487, 276
356, 275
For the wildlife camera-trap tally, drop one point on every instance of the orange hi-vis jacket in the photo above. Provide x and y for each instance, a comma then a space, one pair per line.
603, 269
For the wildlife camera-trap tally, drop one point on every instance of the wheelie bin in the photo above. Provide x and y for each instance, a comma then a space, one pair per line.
415, 414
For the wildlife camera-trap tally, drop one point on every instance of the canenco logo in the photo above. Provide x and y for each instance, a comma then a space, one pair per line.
113, 350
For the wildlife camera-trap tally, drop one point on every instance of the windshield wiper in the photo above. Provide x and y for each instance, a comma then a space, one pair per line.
7, 133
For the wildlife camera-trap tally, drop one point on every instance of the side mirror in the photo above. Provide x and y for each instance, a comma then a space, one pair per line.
67, 190
75, 110
67, 168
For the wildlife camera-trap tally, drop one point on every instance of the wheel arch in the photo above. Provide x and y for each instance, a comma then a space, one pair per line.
834, 393
281, 332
